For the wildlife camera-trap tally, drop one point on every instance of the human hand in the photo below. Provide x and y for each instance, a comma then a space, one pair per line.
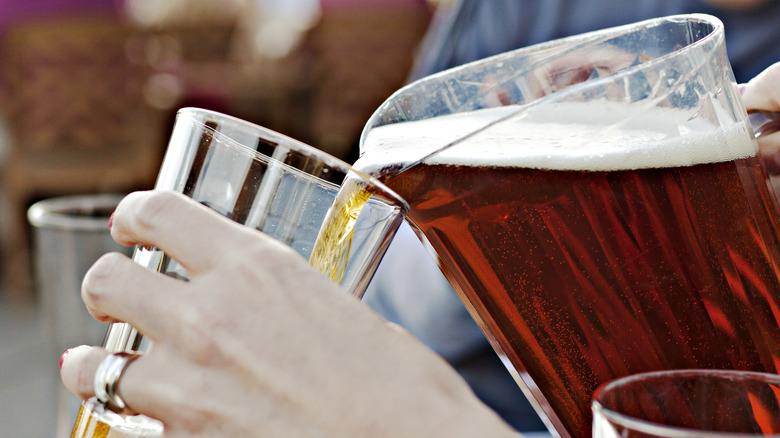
258, 343
762, 93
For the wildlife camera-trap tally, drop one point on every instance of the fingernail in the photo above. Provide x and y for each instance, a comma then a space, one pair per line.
110, 221
742, 88
64, 355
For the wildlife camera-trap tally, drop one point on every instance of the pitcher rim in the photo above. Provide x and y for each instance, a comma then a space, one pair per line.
717, 32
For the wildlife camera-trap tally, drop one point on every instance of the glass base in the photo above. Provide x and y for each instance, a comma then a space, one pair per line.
95, 421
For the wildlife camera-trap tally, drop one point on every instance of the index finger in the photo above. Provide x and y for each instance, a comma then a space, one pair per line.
191, 233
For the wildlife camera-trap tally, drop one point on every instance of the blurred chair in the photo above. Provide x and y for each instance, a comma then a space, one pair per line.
317, 79
364, 51
77, 119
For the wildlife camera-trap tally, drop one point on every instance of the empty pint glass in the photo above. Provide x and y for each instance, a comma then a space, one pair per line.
274, 184
597, 203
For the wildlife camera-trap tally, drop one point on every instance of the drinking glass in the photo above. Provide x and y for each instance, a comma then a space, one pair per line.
274, 184
70, 233
688, 404
597, 203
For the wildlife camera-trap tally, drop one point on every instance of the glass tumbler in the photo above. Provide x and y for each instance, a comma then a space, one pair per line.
688, 404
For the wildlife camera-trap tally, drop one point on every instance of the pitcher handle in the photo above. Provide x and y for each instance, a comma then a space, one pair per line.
764, 122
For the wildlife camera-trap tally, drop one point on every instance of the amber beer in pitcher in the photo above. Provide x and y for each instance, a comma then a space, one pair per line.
597, 204
586, 263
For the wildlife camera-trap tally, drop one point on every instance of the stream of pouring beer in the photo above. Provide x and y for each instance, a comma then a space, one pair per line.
330, 254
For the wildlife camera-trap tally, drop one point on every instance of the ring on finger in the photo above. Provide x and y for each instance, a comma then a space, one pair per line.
106, 383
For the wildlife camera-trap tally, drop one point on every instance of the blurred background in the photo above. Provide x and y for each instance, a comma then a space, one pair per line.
88, 94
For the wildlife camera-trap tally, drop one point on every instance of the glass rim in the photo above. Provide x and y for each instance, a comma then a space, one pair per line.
60, 212
716, 35
196, 113
674, 431
717, 32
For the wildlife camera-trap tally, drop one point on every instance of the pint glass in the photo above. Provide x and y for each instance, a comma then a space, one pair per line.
598, 205
689, 404
269, 182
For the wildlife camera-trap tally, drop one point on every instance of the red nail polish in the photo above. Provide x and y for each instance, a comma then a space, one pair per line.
110, 221
64, 355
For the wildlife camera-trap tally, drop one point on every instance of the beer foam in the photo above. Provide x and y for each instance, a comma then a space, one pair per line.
595, 136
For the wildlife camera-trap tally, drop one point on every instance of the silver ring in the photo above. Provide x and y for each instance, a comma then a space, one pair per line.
107, 378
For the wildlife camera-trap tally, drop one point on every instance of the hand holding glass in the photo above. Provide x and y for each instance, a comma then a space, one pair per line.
274, 184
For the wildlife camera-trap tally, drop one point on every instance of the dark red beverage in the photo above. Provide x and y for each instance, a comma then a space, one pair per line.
583, 276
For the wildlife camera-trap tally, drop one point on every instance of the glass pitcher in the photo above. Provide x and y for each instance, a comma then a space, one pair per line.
598, 205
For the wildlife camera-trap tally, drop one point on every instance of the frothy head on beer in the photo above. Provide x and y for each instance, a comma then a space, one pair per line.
594, 136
